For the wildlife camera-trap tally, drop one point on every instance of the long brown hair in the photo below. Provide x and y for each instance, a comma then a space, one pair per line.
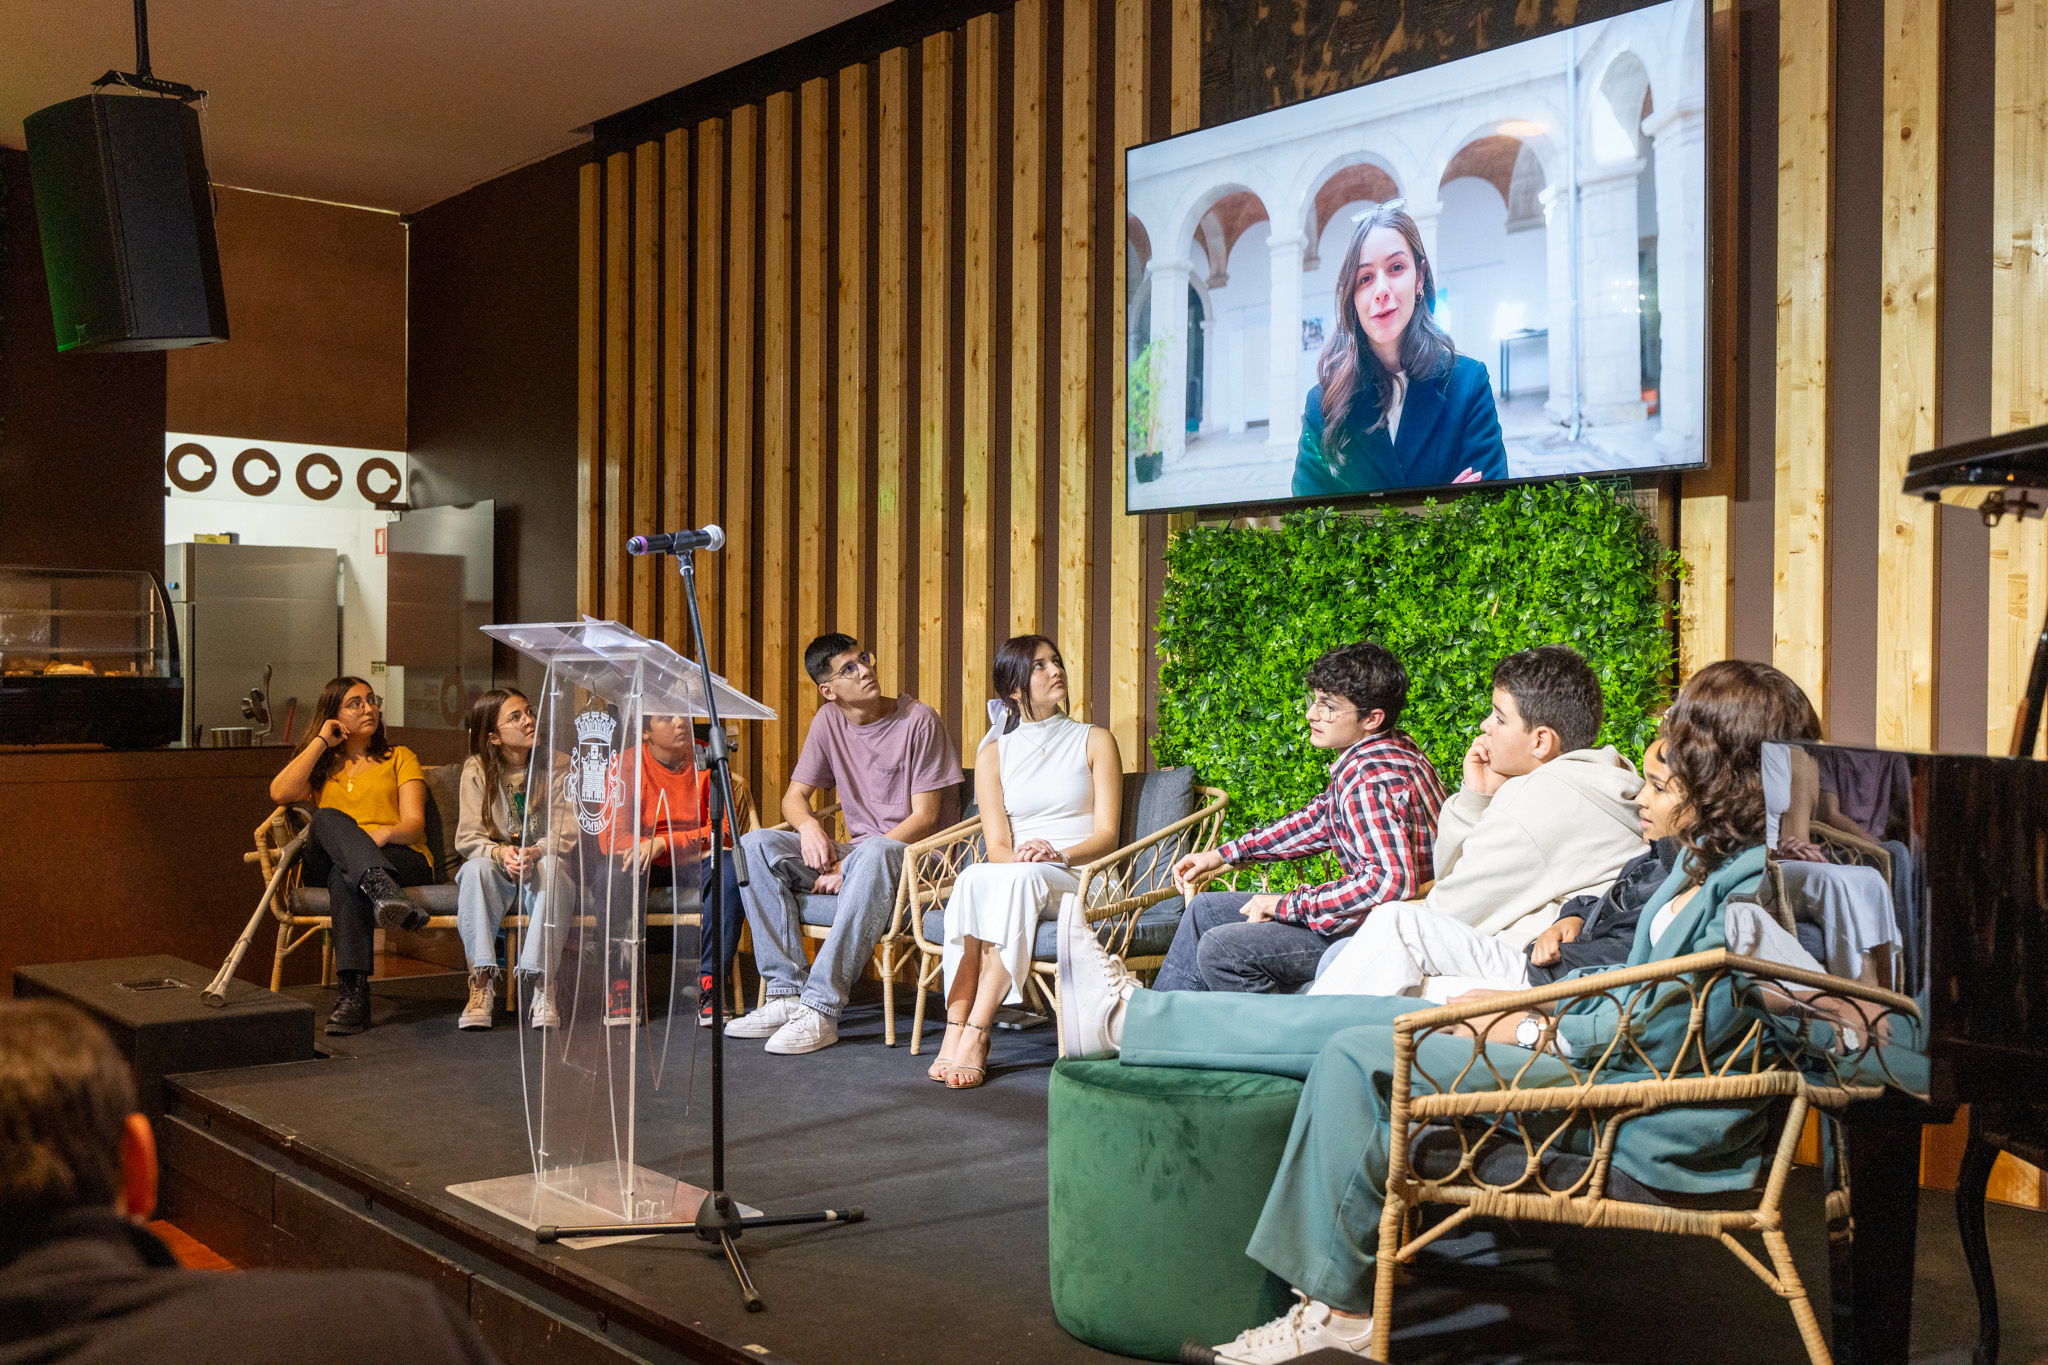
483, 723
329, 708
1713, 736
1347, 361
1012, 672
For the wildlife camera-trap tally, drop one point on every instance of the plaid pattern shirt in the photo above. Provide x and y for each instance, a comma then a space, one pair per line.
1378, 816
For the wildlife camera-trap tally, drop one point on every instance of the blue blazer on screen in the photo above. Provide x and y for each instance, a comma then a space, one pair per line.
1449, 426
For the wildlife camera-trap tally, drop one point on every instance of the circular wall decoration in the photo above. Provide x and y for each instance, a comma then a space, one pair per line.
322, 492
378, 465
241, 472
174, 464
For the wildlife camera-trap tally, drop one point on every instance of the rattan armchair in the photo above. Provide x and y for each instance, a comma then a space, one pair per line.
1501, 1145
1116, 888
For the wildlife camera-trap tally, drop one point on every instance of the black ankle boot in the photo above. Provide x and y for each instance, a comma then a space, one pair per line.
395, 909
352, 1011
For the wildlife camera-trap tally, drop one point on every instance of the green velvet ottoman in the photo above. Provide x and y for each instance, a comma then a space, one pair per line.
1157, 1176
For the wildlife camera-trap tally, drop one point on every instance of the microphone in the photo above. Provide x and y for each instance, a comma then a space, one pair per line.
677, 542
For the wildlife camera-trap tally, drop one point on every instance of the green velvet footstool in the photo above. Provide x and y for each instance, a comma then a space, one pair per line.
1157, 1176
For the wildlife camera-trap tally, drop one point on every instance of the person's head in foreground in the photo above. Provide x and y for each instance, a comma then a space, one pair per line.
70, 1135
844, 672
1354, 691
1713, 738
1030, 679
1546, 704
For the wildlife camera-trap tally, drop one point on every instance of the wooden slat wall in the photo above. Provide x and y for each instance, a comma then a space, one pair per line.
893, 633
935, 457
1127, 604
978, 379
813, 293
1078, 254
1908, 551
1806, 87
855, 248
748, 354
1706, 615
2019, 352
1027, 312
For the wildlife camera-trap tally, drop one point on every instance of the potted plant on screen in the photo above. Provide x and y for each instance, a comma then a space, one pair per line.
1141, 412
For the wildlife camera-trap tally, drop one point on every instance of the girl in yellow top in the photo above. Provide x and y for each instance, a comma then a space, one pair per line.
369, 836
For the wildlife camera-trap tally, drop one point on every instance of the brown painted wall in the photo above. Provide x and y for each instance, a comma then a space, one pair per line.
492, 376
316, 317
81, 436
147, 859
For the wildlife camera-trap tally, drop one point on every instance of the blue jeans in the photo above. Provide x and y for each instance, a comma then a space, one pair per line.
1216, 949
484, 895
869, 873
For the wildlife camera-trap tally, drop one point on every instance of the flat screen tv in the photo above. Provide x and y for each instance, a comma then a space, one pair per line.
1490, 271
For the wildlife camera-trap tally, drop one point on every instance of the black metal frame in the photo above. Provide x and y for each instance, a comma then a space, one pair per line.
718, 1218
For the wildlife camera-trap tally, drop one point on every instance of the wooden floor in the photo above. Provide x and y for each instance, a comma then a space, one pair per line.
191, 1253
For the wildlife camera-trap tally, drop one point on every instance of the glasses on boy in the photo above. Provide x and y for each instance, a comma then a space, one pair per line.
865, 660
1321, 707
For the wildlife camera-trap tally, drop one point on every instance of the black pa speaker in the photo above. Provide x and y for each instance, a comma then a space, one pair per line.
127, 224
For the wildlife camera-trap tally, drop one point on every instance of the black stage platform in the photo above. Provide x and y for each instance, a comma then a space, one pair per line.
345, 1160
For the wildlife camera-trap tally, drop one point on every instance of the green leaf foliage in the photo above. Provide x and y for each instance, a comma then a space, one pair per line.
1449, 588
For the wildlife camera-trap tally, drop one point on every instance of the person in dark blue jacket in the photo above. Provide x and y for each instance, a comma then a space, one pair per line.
1395, 405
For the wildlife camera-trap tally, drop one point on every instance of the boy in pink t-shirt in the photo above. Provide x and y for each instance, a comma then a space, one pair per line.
897, 776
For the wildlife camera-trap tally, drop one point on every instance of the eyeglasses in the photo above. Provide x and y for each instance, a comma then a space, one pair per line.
1322, 708
863, 660
373, 702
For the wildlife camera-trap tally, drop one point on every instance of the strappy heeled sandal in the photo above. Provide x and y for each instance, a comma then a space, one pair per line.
959, 1069
940, 1065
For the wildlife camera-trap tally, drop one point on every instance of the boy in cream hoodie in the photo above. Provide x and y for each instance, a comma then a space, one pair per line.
1542, 816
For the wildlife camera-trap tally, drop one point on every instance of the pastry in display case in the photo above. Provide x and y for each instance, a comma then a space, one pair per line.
87, 656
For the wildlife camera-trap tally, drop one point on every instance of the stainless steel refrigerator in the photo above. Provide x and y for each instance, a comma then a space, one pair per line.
242, 609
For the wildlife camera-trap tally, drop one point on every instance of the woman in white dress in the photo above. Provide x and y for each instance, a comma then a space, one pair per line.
1049, 787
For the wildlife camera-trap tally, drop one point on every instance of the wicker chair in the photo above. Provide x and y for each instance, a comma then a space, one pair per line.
1476, 1149
1118, 890
302, 911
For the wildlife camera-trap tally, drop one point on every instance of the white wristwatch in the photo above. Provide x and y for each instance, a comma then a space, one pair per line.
1529, 1032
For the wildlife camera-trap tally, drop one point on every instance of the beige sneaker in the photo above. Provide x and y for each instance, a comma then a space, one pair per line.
544, 1014
483, 999
1307, 1327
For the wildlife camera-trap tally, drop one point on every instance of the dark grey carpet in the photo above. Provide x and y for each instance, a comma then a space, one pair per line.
951, 1265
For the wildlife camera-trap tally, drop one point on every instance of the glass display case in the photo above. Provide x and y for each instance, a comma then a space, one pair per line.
87, 656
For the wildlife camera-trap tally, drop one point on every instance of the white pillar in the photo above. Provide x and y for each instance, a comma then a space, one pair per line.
1283, 394
1170, 326
1557, 248
1426, 215
1233, 362
1210, 397
1679, 143
1610, 295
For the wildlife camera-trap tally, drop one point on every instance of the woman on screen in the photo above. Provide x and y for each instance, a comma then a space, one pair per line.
1395, 405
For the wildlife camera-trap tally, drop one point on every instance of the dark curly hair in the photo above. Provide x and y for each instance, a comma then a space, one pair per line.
1365, 674
1553, 686
1713, 737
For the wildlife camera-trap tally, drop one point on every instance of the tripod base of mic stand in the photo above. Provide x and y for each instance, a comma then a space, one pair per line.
716, 1221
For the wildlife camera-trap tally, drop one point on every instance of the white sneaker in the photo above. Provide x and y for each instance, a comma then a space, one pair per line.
1094, 984
806, 1032
544, 1014
483, 991
766, 1021
1308, 1326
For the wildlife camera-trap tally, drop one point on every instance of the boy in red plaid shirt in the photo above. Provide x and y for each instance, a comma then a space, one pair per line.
1378, 816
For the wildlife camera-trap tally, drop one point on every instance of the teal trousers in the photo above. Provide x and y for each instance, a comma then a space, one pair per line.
1320, 1227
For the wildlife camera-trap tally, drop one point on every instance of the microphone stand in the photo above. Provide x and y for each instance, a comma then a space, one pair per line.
718, 1218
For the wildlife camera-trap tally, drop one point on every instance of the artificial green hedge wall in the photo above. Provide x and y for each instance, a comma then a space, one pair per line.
1449, 588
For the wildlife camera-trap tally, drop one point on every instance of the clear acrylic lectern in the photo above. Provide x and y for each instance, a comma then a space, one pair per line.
613, 810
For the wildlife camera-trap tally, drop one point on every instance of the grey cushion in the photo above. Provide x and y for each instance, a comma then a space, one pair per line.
1435, 1151
444, 813
439, 899
1161, 798
969, 805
